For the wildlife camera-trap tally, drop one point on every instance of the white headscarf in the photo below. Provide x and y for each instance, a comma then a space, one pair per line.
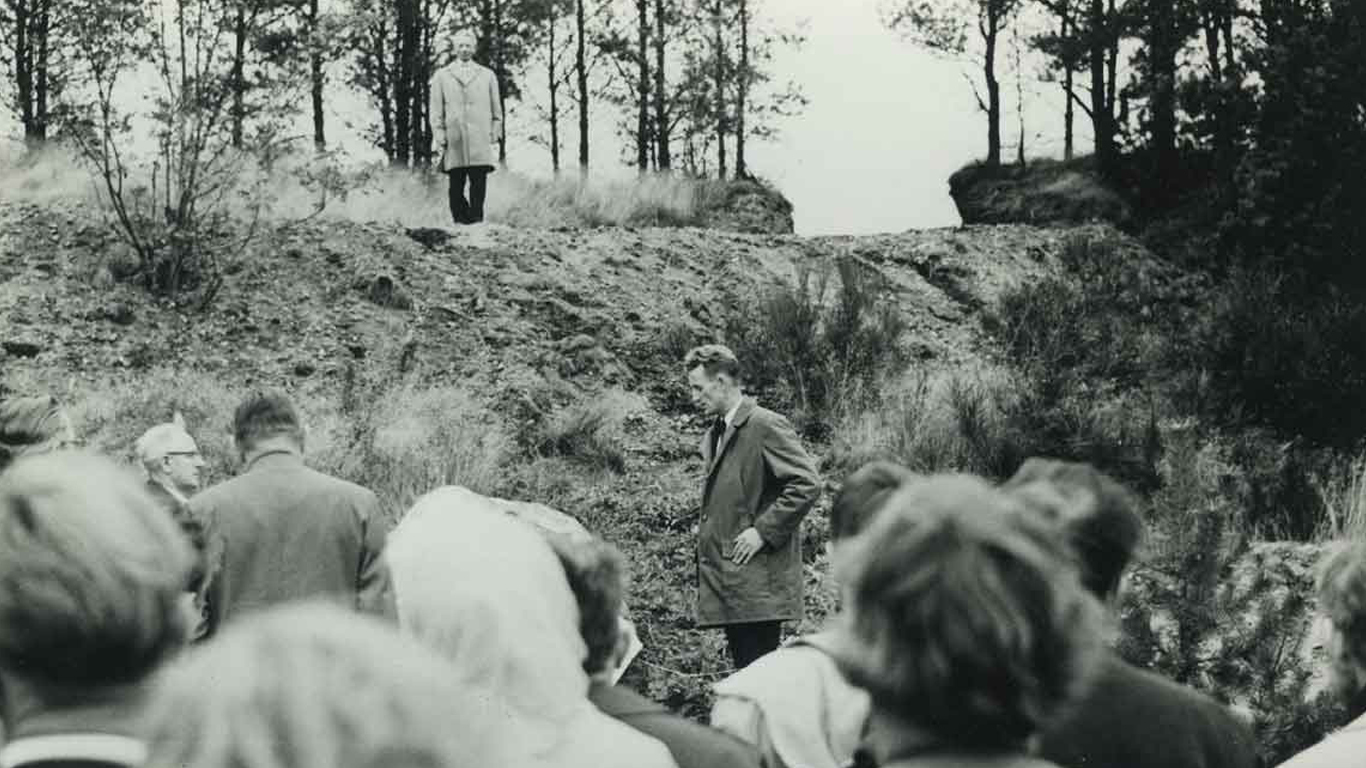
487, 591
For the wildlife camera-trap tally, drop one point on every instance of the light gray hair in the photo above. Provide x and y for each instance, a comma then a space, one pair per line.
91, 572
316, 686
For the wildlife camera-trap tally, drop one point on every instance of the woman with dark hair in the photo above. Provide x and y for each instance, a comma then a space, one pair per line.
968, 626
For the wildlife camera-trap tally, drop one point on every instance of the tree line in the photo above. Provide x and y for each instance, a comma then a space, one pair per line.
691, 81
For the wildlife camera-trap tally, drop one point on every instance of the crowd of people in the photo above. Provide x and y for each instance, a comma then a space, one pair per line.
275, 621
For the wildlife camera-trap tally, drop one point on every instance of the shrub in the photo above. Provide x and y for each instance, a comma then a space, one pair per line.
1341, 489
588, 430
820, 354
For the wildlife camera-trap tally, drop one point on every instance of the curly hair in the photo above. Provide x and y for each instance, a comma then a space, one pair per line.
1342, 596
91, 572
30, 425
968, 617
315, 686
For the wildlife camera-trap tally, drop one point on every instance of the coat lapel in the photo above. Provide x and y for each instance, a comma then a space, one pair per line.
741, 416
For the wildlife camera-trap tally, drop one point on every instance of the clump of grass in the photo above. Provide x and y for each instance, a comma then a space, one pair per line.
588, 430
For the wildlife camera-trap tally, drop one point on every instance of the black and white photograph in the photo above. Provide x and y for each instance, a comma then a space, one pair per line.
683, 383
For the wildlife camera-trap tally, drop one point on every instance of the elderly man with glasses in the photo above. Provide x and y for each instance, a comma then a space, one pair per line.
172, 462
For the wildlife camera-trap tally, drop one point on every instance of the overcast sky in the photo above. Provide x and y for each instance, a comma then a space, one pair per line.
886, 125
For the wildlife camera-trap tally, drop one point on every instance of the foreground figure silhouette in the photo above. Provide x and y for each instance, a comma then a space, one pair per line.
1132, 717
91, 570
315, 686
486, 591
280, 531
967, 625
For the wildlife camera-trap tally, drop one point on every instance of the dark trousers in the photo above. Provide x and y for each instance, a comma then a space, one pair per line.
471, 211
751, 640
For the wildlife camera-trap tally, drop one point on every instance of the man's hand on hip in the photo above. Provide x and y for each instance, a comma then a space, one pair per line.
746, 546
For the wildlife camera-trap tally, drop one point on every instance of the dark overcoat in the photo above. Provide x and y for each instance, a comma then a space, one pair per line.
759, 476
282, 532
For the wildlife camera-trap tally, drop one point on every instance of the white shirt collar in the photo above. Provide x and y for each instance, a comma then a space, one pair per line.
730, 415
93, 747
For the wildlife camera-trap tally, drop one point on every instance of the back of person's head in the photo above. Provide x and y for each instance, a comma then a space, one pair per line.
863, 494
487, 591
266, 416
967, 616
597, 576
1342, 600
31, 426
312, 686
91, 572
1099, 515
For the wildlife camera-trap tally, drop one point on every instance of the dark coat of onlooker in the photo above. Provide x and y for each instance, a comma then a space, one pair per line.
1131, 718
281, 531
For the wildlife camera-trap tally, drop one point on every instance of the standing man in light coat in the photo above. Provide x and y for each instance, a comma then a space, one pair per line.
466, 114
759, 485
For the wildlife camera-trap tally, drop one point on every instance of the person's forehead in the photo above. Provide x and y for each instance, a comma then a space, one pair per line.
179, 441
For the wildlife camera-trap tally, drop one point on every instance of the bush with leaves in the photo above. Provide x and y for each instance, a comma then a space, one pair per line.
820, 348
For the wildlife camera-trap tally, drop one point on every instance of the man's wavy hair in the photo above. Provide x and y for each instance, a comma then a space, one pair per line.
714, 359
91, 573
968, 617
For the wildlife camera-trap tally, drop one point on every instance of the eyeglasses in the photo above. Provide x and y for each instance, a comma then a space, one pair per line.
182, 453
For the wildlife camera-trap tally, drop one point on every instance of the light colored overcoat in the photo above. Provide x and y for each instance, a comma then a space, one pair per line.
466, 116
759, 476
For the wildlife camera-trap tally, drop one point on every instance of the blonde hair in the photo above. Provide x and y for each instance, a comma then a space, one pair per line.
315, 686
91, 572
968, 616
30, 425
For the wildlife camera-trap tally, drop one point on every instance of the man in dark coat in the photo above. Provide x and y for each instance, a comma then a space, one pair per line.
1131, 718
281, 532
596, 574
759, 483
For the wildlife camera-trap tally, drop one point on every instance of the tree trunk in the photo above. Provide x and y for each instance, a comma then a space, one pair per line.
663, 155
581, 78
642, 86
742, 93
993, 91
720, 85
40, 72
500, 69
315, 72
404, 61
238, 77
1101, 116
1068, 82
553, 81
1162, 50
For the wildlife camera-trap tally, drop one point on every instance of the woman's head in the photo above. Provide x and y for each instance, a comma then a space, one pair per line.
312, 686
32, 425
967, 616
486, 591
1342, 600
91, 571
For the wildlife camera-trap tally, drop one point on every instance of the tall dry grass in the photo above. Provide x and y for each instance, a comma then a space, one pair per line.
1342, 491
336, 186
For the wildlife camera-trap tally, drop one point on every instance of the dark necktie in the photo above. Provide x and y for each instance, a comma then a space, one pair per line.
717, 430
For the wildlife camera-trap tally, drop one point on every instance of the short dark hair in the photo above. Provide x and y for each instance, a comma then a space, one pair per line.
265, 415
596, 572
1097, 513
714, 359
864, 493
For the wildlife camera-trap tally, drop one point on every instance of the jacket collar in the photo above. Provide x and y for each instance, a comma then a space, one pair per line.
274, 458
105, 748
